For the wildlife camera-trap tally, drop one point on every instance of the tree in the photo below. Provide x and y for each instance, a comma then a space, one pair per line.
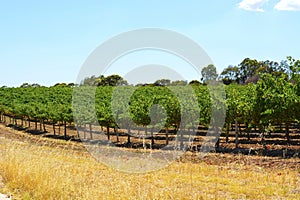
113, 80
26, 85
91, 81
209, 73
195, 82
162, 82
60, 85
179, 83
247, 69
229, 75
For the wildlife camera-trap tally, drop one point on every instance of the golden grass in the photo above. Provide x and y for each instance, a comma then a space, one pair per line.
34, 171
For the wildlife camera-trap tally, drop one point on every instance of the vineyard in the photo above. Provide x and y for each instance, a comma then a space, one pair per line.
150, 100
266, 113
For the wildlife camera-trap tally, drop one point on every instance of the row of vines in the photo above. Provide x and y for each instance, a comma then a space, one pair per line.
272, 101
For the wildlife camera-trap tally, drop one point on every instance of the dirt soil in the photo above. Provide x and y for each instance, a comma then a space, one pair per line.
242, 156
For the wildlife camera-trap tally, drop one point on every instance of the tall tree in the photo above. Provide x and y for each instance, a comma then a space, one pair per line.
229, 75
247, 69
209, 73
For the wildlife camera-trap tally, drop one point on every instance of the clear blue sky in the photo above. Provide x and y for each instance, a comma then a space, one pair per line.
46, 42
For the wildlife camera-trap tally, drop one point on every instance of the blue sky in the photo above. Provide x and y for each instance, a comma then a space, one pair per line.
46, 42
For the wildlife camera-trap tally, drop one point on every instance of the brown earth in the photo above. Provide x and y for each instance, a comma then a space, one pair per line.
241, 156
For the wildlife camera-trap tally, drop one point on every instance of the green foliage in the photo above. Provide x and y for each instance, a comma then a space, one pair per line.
229, 75
274, 99
209, 73
112, 80
250, 70
277, 100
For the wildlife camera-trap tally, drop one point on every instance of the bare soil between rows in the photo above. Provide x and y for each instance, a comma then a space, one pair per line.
226, 155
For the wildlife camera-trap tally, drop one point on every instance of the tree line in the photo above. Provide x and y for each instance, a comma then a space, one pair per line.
250, 70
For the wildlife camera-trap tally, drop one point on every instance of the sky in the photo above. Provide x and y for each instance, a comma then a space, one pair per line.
46, 42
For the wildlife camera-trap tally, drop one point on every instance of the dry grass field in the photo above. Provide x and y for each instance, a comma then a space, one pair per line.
40, 168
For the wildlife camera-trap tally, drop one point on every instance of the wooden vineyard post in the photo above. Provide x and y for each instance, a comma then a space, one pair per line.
167, 135
236, 135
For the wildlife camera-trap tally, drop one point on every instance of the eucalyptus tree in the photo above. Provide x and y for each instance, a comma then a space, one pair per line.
230, 75
209, 73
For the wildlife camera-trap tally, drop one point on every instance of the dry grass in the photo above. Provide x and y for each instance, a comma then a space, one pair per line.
34, 171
